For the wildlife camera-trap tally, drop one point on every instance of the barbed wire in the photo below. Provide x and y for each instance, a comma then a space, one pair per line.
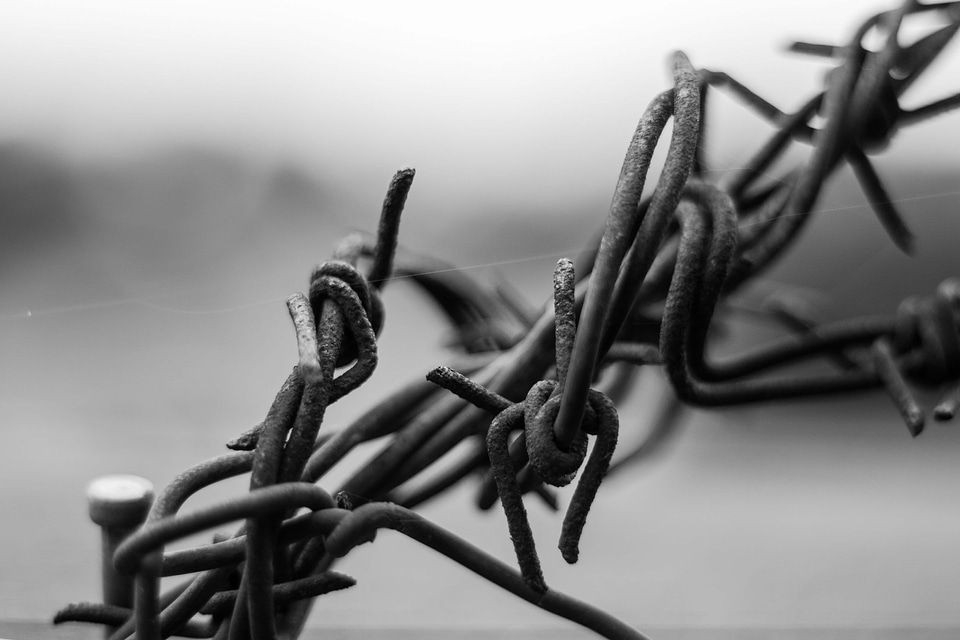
646, 296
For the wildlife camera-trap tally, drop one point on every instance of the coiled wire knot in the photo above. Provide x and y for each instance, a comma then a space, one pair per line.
928, 327
555, 465
554, 460
334, 279
925, 345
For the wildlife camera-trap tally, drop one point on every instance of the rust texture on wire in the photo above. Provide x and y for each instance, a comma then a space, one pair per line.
527, 390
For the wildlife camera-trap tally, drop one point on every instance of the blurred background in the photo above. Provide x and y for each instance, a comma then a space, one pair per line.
170, 172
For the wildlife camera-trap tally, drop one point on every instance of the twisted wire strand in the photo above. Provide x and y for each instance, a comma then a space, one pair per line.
686, 247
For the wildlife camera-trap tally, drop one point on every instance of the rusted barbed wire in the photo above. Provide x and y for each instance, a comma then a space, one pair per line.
646, 296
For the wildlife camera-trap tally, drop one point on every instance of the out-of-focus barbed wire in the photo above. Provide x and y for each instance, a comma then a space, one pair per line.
646, 295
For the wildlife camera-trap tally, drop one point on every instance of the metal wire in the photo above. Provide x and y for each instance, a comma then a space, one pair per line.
647, 297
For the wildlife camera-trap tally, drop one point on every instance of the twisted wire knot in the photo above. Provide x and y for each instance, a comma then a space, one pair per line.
600, 420
330, 280
928, 327
555, 465
552, 464
556, 458
880, 113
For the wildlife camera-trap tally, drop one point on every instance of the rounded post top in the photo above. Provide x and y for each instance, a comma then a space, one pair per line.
119, 500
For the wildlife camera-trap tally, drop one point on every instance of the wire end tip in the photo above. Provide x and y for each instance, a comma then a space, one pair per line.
914, 421
437, 374
906, 242
570, 553
944, 413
